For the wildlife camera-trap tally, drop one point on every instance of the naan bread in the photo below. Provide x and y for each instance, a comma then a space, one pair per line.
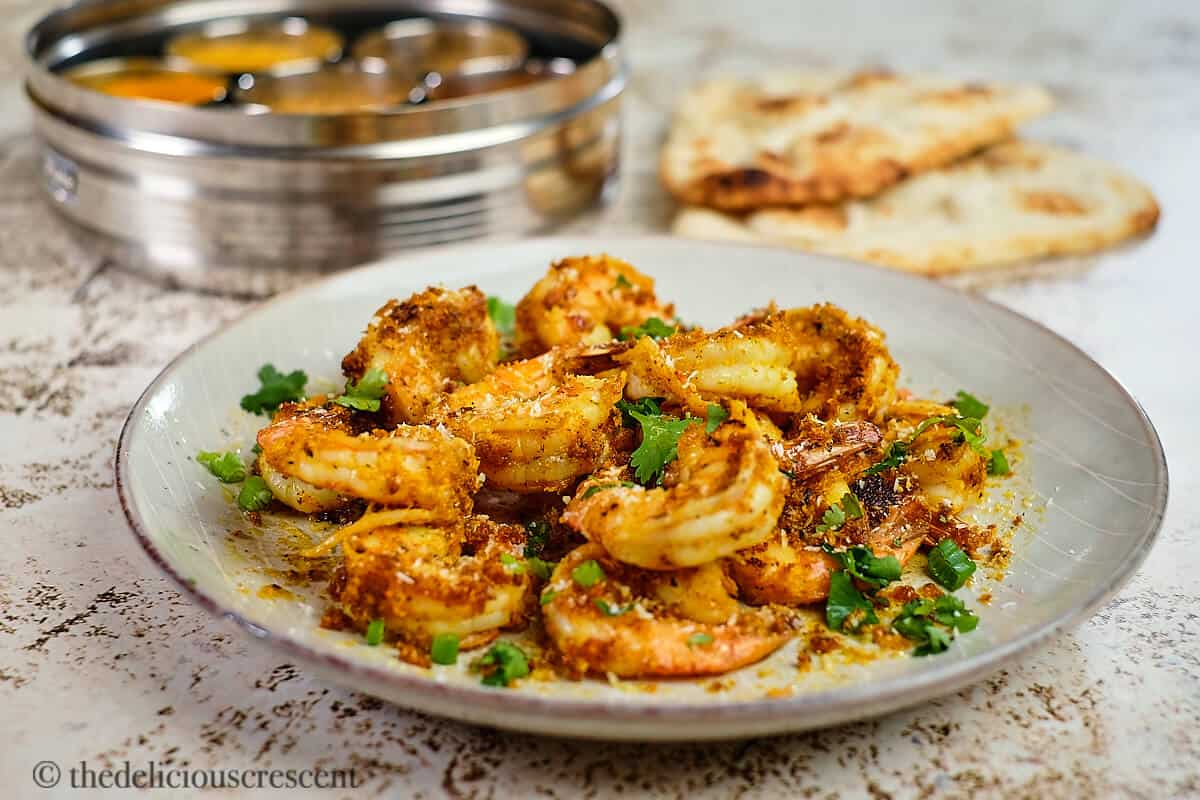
802, 137
1015, 201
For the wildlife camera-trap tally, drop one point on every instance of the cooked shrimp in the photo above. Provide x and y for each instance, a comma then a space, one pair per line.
843, 368
585, 300
293, 492
727, 363
422, 581
947, 470
533, 433
411, 466
631, 623
724, 493
426, 345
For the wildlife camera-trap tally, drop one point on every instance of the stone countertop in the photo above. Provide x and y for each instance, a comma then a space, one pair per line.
102, 661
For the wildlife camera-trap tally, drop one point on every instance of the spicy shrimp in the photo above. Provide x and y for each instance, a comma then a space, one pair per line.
940, 462
304, 497
426, 345
607, 617
585, 300
423, 581
534, 428
723, 494
411, 466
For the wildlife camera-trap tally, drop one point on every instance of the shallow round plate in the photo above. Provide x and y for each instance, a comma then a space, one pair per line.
1092, 483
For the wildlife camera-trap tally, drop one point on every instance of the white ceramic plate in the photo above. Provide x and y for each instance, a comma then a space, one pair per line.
1092, 485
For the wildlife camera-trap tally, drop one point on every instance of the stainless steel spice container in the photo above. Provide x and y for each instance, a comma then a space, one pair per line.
223, 199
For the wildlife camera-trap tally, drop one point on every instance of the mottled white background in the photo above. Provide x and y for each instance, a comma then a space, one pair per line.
101, 660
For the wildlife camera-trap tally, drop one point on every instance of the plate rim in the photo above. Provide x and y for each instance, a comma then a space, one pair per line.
856, 700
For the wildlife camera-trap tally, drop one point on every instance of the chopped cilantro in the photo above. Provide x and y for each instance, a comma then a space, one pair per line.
600, 487
547, 597
374, 632
970, 429
622, 282
659, 447
847, 609
588, 574
504, 316
508, 663
444, 649
893, 458
932, 623
512, 563
654, 327
715, 416
836, 515
700, 640
949, 565
275, 388
226, 466
651, 406
537, 535
865, 566
539, 568
366, 393
969, 406
612, 610
255, 495
998, 463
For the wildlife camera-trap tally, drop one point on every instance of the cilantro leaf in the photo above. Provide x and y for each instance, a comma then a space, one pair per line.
254, 495
508, 661
969, 406
275, 388
970, 429
847, 609
654, 327
537, 536
610, 610
659, 447
836, 515
366, 393
622, 282
227, 467
588, 574
539, 568
504, 315
998, 463
715, 416
932, 624
651, 406
860, 563
547, 597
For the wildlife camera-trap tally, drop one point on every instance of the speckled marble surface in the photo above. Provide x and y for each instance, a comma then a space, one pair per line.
102, 661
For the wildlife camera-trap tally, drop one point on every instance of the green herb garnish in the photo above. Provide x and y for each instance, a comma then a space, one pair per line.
503, 315
969, 406
374, 632
600, 487
659, 447
651, 406
622, 282
847, 609
933, 623
512, 563
860, 563
366, 393
612, 610
969, 429
588, 574
509, 663
836, 515
713, 419
998, 463
654, 327
537, 536
275, 388
547, 597
538, 568
254, 495
444, 649
949, 565
228, 467
700, 640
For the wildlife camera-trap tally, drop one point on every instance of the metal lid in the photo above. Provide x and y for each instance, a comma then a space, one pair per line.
237, 45
332, 90
452, 87
149, 79
441, 46
587, 28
